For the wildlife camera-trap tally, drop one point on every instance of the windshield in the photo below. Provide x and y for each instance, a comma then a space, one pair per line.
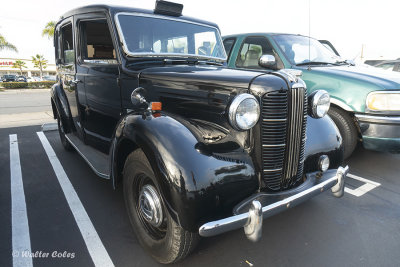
159, 36
301, 49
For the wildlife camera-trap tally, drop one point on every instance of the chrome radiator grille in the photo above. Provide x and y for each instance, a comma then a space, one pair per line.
283, 127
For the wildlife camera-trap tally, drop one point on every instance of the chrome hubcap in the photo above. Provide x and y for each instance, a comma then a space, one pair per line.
150, 205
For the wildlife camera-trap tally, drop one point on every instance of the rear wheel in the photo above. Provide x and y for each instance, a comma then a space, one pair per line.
157, 232
347, 129
64, 141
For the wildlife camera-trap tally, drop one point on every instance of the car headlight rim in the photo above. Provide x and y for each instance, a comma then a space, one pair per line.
320, 104
233, 112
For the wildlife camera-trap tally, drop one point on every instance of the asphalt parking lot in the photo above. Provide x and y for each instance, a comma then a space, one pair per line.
360, 229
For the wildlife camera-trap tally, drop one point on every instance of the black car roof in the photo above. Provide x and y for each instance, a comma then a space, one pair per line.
111, 9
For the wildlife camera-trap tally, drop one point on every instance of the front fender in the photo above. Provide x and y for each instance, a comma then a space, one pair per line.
199, 181
62, 107
323, 137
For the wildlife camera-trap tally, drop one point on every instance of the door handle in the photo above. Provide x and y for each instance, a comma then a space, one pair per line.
76, 81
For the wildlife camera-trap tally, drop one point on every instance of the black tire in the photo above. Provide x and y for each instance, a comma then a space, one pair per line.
347, 129
64, 141
168, 242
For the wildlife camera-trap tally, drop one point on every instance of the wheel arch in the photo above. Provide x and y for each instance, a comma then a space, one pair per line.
60, 107
347, 109
193, 184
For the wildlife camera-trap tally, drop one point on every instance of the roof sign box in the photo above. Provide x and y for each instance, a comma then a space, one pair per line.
168, 8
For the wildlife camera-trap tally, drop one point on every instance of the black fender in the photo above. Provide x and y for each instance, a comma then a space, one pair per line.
199, 181
61, 106
323, 138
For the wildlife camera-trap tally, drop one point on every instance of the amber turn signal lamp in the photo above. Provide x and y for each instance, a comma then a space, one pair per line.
156, 106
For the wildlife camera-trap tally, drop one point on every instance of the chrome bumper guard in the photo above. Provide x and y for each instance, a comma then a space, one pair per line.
252, 220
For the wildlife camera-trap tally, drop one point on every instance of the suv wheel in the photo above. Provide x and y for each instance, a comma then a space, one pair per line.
67, 146
157, 232
347, 129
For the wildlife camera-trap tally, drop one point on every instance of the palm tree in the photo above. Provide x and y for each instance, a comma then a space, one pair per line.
4, 44
49, 29
40, 62
19, 64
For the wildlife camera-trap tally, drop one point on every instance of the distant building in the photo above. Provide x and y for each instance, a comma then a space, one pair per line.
6, 67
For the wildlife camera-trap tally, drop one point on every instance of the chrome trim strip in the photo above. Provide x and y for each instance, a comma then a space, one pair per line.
102, 175
138, 14
277, 145
274, 119
238, 221
382, 119
272, 170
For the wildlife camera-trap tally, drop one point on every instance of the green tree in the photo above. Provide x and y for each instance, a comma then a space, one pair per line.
40, 63
19, 64
49, 29
4, 44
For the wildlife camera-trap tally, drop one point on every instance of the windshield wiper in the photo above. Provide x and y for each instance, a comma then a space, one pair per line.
214, 63
193, 61
315, 63
348, 62
172, 61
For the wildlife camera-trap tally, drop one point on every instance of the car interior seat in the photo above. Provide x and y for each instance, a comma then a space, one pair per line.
251, 58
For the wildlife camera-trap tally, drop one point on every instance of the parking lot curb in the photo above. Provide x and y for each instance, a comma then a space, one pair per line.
49, 127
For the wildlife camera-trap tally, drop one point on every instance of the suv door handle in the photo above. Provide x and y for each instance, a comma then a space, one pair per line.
76, 81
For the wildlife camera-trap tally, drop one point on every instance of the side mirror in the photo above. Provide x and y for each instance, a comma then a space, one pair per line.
137, 98
267, 61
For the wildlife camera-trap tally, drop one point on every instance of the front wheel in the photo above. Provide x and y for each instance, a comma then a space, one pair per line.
347, 129
66, 144
157, 232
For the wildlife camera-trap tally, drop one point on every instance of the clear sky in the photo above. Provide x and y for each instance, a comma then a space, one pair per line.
348, 24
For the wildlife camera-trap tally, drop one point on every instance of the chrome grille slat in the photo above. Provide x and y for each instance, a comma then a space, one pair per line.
283, 125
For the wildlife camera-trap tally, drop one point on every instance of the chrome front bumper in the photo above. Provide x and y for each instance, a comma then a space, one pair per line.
253, 218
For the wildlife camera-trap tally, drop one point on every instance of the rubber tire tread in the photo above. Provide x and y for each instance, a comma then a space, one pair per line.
65, 143
347, 129
182, 242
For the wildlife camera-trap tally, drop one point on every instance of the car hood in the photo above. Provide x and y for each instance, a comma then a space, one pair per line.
381, 78
202, 74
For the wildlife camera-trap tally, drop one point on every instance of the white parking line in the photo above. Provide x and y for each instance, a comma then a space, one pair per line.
21, 241
96, 248
365, 188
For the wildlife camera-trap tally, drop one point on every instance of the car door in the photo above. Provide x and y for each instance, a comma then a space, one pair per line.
98, 70
251, 49
67, 72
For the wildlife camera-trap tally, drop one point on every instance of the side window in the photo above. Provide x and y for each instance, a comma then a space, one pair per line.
387, 66
67, 46
228, 44
250, 52
96, 42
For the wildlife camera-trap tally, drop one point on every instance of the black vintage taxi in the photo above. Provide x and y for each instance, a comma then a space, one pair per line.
144, 96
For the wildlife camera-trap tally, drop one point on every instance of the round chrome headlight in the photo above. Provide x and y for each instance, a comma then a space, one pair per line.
244, 112
319, 103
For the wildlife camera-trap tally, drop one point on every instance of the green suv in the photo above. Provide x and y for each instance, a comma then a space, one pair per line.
365, 101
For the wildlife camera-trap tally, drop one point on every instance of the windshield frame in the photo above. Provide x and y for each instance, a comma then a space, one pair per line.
169, 55
299, 35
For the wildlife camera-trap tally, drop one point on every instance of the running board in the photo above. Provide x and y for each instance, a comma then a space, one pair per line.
99, 162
